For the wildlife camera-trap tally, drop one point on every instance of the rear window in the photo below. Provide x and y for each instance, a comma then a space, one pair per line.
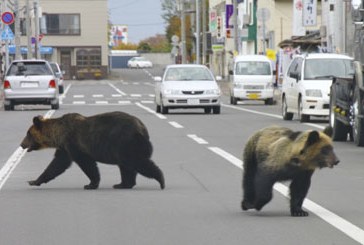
29, 69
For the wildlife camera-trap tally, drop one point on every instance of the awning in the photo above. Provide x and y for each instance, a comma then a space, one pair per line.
24, 50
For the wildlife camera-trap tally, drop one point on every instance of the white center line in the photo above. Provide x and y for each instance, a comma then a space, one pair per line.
116, 89
197, 139
175, 124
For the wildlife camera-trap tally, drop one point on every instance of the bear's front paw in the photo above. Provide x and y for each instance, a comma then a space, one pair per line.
34, 183
123, 186
91, 186
298, 212
245, 205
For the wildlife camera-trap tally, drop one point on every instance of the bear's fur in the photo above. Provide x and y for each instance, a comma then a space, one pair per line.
113, 138
276, 154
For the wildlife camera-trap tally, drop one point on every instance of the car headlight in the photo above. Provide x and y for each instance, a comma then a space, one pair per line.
313, 93
213, 91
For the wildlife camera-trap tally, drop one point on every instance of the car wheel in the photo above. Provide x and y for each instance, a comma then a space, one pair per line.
269, 101
207, 110
233, 100
164, 110
216, 109
339, 129
60, 89
286, 115
358, 122
157, 108
302, 117
55, 106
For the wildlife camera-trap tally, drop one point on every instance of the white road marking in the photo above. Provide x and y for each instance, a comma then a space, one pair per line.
79, 102
151, 111
78, 96
197, 139
116, 89
267, 114
175, 124
136, 95
124, 102
15, 158
331, 218
147, 101
97, 95
116, 95
102, 102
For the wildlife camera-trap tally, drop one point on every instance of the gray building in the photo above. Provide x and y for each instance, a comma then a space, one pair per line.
73, 33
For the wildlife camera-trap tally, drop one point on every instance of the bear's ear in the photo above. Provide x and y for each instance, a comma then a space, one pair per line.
312, 138
37, 121
328, 131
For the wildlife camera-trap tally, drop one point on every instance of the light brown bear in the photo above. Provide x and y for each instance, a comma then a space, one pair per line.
276, 154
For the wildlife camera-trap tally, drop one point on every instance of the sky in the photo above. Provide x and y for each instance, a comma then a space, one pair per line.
143, 17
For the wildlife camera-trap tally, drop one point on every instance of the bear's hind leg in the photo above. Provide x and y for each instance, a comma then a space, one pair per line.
248, 188
298, 190
89, 167
147, 168
263, 191
128, 178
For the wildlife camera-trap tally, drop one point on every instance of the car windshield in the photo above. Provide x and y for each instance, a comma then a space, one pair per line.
253, 68
188, 74
328, 68
29, 69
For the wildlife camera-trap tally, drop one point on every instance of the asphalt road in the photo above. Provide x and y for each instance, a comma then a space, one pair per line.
200, 156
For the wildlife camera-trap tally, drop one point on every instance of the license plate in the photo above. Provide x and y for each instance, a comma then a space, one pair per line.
253, 96
193, 101
29, 85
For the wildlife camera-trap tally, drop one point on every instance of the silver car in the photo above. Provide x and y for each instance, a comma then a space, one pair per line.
187, 86
30, 82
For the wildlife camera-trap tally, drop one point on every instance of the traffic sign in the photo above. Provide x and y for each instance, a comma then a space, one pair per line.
7, 18
7, 34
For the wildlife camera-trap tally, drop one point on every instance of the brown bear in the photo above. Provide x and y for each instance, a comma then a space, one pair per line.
276, 154
113, 138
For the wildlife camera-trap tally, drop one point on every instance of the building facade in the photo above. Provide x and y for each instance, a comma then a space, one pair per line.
73, 33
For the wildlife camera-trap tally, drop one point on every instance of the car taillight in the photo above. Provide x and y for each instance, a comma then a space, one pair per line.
7, 84
52, 84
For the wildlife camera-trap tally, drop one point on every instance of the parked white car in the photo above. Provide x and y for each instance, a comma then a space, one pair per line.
30, 82
187, 86
306, 84
59, 75
139, 62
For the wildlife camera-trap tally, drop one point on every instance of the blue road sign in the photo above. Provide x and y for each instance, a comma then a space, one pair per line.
7, 34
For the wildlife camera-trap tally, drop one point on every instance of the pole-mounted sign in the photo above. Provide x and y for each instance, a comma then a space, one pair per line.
7, 18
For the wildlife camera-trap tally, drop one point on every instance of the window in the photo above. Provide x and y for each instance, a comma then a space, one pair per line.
88, 58
60, 24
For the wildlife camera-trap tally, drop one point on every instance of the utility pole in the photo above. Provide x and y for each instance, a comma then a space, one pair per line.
183, 31
204, 32
29, 31
17, 30
235, 23
36, 26
198, 32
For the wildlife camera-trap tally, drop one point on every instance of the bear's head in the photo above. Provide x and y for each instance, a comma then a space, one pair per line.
314, 149
35, 138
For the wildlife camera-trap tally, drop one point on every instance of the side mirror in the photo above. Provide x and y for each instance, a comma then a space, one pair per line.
231, 72
157, 79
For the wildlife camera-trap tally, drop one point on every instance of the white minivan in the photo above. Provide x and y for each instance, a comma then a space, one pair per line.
251, 78
306, 84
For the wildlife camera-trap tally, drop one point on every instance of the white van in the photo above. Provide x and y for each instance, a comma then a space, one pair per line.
251, 78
